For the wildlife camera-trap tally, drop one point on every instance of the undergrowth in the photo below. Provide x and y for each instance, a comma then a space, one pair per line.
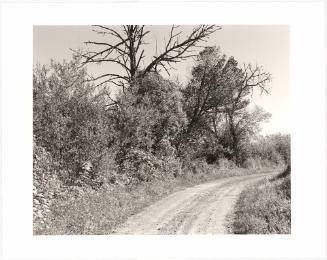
264, 207
97, 212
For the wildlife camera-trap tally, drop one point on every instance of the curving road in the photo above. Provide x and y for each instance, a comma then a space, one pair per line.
201, 209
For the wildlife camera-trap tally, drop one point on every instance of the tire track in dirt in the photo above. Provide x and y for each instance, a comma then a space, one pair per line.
201, 209
182, 222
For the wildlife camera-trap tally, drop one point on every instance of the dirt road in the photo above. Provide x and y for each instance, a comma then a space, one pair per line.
201, 209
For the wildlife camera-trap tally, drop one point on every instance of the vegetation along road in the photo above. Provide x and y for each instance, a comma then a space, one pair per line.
201, 209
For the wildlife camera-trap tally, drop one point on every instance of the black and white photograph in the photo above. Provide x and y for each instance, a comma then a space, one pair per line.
172, 129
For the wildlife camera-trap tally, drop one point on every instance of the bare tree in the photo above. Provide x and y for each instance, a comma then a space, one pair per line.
125, 49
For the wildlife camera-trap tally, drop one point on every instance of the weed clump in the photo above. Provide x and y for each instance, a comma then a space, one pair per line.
264, 207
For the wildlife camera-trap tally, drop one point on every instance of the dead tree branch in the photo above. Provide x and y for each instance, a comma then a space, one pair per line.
125, 49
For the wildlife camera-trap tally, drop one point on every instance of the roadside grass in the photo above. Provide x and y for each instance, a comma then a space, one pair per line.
264, 207
99, 212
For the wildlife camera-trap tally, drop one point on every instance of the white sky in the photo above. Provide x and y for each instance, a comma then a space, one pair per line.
267, 46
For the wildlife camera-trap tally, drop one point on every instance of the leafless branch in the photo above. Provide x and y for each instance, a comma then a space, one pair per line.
125, 50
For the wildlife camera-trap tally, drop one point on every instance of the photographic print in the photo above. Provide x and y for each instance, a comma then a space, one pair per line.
161, 129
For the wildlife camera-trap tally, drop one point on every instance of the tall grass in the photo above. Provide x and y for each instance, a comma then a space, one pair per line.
264, 207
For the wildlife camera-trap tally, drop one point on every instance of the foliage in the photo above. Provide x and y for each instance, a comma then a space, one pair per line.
68, 117
45, 187
274, 148
206, 90
216, 103
148, 120
282, 145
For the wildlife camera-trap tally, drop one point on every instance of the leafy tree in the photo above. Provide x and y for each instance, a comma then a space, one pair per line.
148, 119
218, 95
205, 92
242, 126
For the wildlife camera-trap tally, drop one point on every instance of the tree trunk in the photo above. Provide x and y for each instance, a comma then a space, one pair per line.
234, 140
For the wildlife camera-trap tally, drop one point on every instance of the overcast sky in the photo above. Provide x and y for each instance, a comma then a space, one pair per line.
267, 46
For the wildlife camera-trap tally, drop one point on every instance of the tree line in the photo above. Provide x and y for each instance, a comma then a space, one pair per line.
154, 127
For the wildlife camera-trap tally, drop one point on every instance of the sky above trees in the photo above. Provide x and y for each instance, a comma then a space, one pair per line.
266, 46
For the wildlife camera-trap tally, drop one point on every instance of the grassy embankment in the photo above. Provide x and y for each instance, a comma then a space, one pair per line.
100, 211
264, 207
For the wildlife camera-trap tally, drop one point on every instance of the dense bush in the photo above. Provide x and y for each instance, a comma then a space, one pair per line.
258, 163
46, 186
68, 119
148, 120
273, 148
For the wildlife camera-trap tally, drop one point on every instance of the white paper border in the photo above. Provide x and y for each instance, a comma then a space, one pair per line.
308, 131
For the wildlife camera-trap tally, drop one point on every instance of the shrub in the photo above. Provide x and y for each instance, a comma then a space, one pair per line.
149, 113
148, 120
257, 163
139, 166
46, 186
224, 163
274, 148
69, 119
